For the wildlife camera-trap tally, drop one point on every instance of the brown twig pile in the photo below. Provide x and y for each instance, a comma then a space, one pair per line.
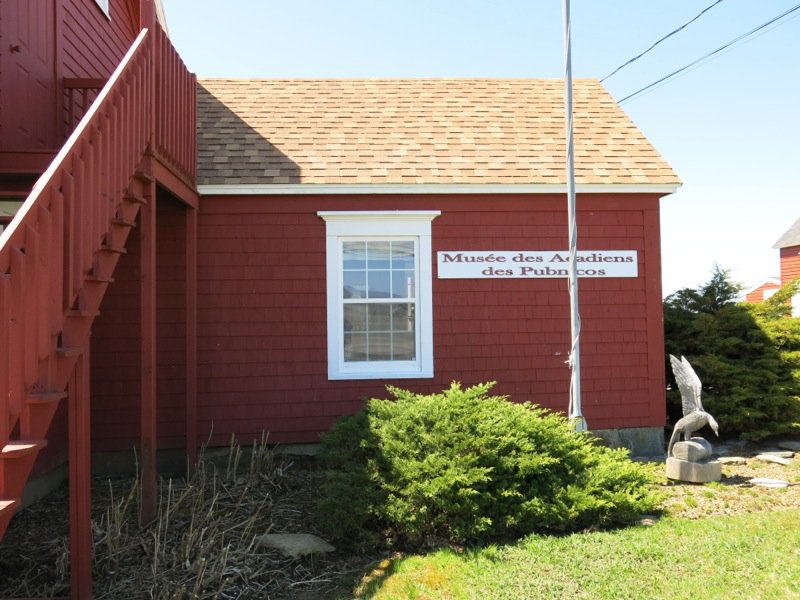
204, 542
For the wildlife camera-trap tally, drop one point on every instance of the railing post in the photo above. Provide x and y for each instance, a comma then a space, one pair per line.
147, 269
191, 339
80, 480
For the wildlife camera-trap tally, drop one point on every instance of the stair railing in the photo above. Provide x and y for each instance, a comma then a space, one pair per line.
176, 93
47, 251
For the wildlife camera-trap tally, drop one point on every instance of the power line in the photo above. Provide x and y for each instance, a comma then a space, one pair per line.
710, 54
670, 34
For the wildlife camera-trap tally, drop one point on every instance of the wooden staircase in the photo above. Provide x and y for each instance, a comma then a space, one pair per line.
49, 361
59, 253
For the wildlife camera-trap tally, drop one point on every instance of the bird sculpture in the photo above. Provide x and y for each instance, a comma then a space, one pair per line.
694, 416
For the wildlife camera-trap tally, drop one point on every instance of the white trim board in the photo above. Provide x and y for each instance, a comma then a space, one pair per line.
289, 189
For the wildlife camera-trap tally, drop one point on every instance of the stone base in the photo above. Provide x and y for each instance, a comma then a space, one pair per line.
694, 472
641, 441
696, 449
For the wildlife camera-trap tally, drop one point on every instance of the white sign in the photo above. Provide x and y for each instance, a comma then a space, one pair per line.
535, 264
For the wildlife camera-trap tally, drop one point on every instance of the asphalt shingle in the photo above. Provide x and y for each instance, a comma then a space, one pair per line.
418, 131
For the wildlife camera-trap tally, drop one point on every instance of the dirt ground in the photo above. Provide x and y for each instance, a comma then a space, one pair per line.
34, 557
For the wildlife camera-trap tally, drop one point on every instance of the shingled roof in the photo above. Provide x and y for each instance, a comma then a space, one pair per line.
416, 131
791, 237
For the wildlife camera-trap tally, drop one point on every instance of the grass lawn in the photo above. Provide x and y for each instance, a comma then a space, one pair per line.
744, 556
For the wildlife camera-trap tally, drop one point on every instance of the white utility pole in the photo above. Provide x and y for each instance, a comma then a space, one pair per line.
575, 414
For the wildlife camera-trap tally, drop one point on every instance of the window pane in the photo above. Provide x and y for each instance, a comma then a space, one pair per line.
354, 255
355, 317
402, 284
379, 284
378, 254
402, 317
354, 284
403, 347
379, 317
380, 346
403, 255
355, 347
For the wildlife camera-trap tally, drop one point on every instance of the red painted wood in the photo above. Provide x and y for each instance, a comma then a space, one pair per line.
191, 339
80, 505
5, 371
115, 339
261, 313
28, 117
56, 258
147, 290
91, 46
175, 90
757, 295
790, 264
656, 382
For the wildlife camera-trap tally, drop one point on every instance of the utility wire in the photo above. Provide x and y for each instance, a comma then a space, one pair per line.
670, 34
710, 54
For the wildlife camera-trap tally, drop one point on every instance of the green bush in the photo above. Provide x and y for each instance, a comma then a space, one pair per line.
747, 356
463, 466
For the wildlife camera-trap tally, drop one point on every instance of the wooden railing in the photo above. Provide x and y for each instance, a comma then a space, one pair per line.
176, 92
175, 139
79, 94
48, 250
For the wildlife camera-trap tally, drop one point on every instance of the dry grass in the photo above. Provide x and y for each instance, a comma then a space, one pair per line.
203, 543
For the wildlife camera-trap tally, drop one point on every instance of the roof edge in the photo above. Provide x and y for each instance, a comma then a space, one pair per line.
790, 238
289, 189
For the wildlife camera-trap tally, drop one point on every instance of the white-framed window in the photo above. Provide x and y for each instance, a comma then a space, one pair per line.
103, 4
379, 288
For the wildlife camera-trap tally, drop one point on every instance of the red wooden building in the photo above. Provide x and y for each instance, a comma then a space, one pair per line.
238, 256
761, 292
789, 246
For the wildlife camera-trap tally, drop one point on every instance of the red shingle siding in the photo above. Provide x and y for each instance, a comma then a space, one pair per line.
262, 312
790, 264
756, 296
116, 346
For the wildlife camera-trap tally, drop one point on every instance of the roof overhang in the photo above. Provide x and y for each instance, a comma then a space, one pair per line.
290, 189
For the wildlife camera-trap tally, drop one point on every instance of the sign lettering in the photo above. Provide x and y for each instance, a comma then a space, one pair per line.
535, 264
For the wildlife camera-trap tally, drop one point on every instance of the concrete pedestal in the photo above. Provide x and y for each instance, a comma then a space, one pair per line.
694, 472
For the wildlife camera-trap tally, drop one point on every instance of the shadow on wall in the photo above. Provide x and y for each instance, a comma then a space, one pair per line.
230, 151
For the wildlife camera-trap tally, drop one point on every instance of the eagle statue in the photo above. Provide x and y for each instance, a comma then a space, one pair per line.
694, 416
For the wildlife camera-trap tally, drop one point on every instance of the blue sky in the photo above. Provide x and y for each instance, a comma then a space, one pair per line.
729, 127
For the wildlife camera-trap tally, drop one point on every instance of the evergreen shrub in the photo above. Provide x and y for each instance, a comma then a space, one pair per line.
747, 356
463, 466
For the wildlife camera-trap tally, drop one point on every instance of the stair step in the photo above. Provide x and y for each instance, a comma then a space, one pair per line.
21, 448
65, 352
45, 397
142, 176
134, 198
113, 250
91, 277
123, 222
7, 506
79, 313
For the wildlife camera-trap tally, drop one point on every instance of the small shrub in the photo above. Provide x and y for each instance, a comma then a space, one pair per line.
463, 466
